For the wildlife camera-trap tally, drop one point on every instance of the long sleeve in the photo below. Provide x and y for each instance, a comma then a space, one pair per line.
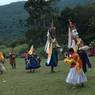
87, 60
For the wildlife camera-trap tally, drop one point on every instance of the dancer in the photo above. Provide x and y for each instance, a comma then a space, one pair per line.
76, 74
51, 48
2, 68
33, 60
84, 57
75, 42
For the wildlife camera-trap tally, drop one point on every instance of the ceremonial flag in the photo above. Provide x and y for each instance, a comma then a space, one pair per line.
30, 52
72, 36
48, 47
1, 56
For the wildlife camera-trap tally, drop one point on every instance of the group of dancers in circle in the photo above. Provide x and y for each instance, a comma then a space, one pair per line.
75, 56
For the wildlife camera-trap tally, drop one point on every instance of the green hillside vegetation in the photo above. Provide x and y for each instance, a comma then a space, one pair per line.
13, 17
12, 22
18, 26
61, 4
42, 13
84, 17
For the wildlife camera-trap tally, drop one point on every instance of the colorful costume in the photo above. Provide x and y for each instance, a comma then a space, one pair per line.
33, 60
51, 48
76, 74
74, 40
54, 58
78, 45
85, 60
2, 68
12, 56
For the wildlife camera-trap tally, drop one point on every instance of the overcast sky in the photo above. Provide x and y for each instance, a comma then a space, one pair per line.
4, 2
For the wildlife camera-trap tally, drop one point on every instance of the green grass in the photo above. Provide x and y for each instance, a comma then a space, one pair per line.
42, 82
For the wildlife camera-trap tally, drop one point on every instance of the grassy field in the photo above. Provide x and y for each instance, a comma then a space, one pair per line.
42, 82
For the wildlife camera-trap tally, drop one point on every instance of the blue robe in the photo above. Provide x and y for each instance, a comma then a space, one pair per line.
85, 60
33, 62
54, 58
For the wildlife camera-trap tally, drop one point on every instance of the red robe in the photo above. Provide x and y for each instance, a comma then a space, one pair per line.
77, 60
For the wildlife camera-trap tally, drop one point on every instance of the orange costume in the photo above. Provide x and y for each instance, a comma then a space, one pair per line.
77, 60
76, 74
1, 56
2, 68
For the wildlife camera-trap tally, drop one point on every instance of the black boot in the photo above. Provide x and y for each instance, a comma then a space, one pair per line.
82, 84
52, 69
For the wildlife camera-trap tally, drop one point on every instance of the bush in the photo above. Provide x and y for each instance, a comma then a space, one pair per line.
41, 52
21, 48
92, 44
5, 50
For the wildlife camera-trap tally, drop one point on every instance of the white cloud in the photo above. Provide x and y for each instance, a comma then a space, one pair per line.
4, 2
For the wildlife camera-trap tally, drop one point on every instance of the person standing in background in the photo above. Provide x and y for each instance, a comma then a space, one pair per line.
12, 57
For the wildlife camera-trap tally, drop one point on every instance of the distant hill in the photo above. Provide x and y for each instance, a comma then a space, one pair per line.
13, 18
61, 4
12, 21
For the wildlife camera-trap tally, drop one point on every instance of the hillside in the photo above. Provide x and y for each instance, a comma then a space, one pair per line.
71, 3
13, 18
12, 21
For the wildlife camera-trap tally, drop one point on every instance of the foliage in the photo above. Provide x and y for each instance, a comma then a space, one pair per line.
62, 4
92, 44
12, 22
83, 16
5, 50
17, 42
40, 16
41, 52
84, 19
21, 48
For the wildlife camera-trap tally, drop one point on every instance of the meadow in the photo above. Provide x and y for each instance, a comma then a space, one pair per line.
43, 82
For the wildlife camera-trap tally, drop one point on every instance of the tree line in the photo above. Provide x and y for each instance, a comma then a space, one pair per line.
42, 13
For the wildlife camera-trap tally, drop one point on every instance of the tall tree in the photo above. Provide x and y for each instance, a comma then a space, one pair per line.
40, 16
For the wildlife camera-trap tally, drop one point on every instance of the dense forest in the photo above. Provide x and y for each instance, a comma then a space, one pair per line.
61, 4
26, 23
42, 13
12, 22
